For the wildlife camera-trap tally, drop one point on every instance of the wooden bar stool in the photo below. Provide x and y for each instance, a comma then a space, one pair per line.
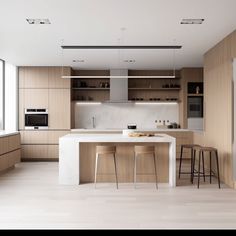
191, 147
202, 157
108, 151
142, 151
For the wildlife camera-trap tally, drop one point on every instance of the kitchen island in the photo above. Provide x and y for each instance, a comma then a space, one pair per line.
77, 158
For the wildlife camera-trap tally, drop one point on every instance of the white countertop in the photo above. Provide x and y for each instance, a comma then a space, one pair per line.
5, 133
117, 138
120, 130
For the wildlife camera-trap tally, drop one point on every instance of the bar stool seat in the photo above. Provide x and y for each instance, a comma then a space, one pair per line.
142, 151
202, 150
191, 147
107, 151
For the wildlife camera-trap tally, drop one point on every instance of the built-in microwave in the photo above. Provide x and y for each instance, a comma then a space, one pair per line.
36, 118
195, 106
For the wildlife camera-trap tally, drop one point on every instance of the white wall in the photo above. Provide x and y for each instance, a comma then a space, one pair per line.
10, 97
119, 115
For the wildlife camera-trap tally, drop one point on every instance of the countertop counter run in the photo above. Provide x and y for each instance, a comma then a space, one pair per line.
5, 133
111, 130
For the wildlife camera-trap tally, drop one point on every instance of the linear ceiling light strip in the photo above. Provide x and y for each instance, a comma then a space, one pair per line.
121, 47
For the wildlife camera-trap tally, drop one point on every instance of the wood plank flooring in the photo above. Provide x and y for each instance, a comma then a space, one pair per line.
30, 197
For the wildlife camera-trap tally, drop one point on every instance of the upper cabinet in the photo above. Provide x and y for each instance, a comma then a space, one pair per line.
43, 77
33, 77
55, 80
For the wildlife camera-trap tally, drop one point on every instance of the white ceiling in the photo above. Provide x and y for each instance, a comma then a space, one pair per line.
99, 22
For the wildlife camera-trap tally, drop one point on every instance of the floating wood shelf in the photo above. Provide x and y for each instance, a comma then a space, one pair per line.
97, 89
159, 89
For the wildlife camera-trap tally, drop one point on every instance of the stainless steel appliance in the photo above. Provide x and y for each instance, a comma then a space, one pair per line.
36, 118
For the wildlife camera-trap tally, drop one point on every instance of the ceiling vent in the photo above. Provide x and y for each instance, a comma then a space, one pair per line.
192, 21
78, 61
38, 21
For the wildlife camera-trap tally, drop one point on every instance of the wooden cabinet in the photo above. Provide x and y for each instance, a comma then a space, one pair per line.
42, 137
34, 152
43, 77
9, 151
40, 152
187, 75
36, 98
33, 77
53, 152
41, 145
55, 80
59, 109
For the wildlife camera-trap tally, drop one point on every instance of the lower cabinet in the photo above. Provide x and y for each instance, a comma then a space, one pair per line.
10, 152
41, 145
39, 152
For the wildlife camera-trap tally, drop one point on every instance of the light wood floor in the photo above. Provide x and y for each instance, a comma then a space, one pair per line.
30, 197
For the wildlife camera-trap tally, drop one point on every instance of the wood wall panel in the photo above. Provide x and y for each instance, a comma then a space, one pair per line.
218, 74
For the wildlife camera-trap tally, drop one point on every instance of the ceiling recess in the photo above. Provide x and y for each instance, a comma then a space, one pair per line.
121, 47
192, 21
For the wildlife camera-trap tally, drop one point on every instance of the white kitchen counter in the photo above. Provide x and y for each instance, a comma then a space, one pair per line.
69, 153
120, 130
5, 133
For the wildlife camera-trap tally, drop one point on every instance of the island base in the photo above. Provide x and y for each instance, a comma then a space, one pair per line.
125, 164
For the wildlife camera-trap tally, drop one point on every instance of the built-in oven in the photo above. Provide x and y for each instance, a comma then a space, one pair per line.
36, 118
195, 107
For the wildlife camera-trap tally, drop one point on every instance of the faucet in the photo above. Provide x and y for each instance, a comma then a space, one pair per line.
93, 121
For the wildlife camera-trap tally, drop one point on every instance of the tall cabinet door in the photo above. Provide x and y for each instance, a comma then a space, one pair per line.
33, 77
59, 109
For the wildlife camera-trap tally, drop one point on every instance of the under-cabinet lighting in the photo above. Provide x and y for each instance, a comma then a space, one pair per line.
156, 103
88, 103
118, 76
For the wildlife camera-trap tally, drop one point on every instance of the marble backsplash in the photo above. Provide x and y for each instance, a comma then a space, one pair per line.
112, 115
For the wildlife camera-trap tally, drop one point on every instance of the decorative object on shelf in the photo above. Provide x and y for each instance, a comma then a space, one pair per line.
197, 90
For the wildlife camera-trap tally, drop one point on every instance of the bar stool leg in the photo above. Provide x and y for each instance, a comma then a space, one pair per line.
210, 168
199, 165
154, 159
135, 167
217, 165
193, 169
191, 175
203, 167
96, 169
114, 158
180, 161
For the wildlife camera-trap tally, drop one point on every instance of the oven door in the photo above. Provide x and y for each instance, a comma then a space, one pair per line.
36, 121
195, 107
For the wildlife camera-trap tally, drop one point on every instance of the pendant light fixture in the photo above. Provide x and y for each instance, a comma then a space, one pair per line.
126, 47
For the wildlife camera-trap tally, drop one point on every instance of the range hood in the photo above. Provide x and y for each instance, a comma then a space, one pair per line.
118, 86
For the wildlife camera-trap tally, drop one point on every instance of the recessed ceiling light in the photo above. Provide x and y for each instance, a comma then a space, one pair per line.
129, 61
80, 61
192, 21
38, 21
